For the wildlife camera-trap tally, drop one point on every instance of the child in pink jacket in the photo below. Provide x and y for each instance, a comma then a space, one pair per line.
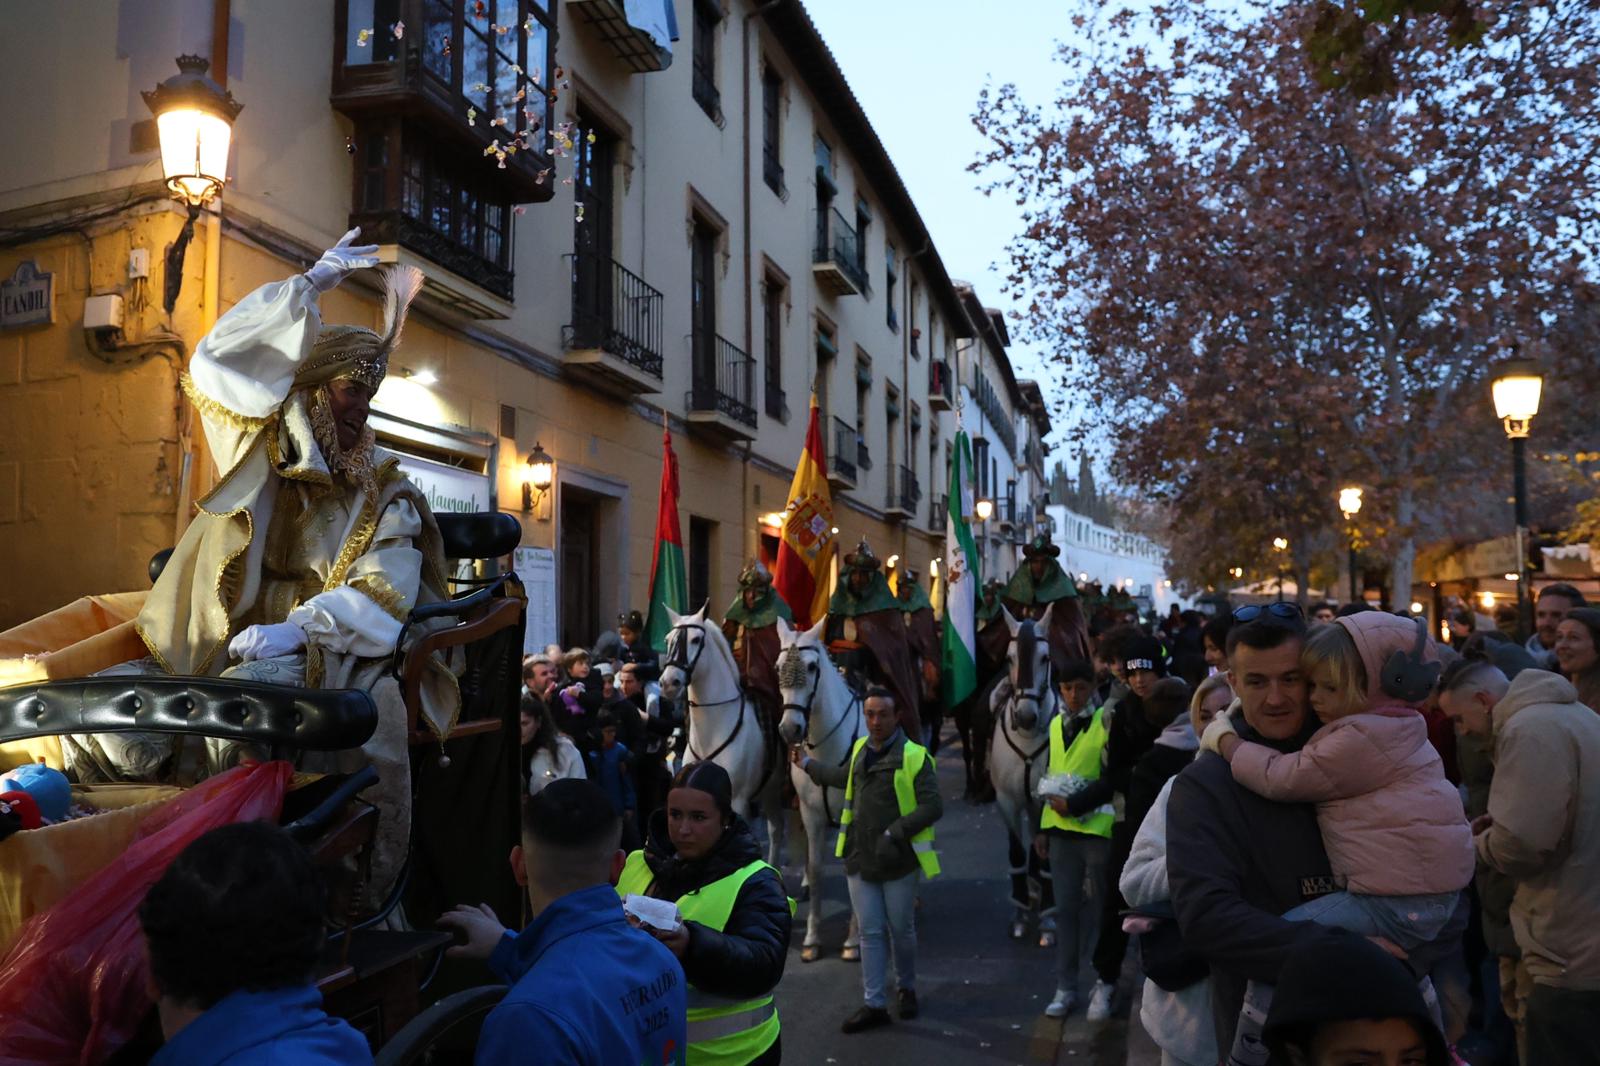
1394, 827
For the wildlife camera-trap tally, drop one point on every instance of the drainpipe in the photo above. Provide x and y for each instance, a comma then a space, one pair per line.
757, 379
905, 373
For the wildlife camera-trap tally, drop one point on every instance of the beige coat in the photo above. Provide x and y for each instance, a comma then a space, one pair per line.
1545, 801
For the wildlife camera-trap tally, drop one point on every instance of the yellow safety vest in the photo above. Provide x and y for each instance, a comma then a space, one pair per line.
905, 793
1083, 760
722, 1031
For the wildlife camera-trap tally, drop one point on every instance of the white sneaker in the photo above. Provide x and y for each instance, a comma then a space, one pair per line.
1099, 1003
1062, 1005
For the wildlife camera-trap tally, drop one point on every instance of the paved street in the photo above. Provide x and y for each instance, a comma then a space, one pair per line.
982, 993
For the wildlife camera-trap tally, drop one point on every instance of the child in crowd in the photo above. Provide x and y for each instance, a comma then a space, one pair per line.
612, 769
1394, 827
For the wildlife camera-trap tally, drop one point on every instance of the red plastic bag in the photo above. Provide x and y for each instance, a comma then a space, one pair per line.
75, 986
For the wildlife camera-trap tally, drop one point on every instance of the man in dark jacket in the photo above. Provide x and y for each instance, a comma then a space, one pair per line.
586, 987
1235, 860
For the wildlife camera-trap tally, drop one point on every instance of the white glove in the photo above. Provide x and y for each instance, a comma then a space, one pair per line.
267, 642
1221, 726
340, 261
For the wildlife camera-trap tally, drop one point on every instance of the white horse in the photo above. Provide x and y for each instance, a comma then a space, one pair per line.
819, 708
1019, 755
724, 726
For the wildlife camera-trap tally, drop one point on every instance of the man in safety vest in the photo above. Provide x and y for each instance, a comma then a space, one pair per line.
1078, 841
886, 840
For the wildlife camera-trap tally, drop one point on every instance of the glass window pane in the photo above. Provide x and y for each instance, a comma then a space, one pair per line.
438, 24
475, 68
439, 205
467, 219
494, 221
539, 53
506, 83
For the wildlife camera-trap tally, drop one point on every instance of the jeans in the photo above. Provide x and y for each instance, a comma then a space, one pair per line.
1078, 876
1561, 1027
1407, 921
885, 911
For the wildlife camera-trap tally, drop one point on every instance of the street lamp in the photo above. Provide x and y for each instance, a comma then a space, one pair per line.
1350, 505
1280, 545
194, 122
541, 474
983, 509
1516, 387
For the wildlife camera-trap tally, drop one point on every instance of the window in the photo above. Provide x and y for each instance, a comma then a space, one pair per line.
773, 293
889, 278
702, 542
916, 306
863, 398
703, 302
449, 210
825, 192
891, 413
863, 220
707, 18
980, 465
771, 125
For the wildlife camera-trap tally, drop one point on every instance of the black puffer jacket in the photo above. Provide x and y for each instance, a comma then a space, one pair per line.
746, 958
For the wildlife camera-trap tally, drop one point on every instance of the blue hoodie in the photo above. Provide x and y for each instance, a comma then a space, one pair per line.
587, 988
282, 1027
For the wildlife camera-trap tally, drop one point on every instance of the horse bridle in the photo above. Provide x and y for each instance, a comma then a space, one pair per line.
1038, 694
804, 709
678, 655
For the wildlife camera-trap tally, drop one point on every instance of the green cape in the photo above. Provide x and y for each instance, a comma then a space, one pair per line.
919, 600
987, 609
766, 613
1057, 585
877, 598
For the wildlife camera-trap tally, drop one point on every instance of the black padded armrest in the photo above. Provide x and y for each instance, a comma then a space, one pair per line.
311, 825
274, 715
483, 535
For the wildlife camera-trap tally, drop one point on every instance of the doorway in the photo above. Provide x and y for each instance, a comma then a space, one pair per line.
580, 577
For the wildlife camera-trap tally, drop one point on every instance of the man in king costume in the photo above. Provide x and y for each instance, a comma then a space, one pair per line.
865, 626
922, 636
305, 560
1037, 584
751, 625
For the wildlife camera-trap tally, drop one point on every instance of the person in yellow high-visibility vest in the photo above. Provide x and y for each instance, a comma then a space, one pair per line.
737, 916
1076, 838
886, 841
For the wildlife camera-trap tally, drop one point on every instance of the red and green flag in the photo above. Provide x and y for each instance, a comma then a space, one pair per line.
669, 587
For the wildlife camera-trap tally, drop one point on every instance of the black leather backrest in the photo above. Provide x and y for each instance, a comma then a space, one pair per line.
276, 715
158, 563
484, 535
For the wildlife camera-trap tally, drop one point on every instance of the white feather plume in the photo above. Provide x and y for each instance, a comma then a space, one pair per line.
400, 286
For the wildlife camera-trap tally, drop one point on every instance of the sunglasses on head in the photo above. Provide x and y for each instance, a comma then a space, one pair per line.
1251, 612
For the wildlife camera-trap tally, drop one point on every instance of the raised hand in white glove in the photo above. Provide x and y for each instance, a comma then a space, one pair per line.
267, 642
340, 261
1221, 726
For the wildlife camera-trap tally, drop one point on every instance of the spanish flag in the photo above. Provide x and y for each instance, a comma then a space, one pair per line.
805, 552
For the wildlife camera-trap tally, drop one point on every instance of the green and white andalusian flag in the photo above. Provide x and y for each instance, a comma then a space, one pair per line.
959, 677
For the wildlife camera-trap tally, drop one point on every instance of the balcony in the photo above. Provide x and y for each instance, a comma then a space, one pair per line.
842, 457
614, 338
936, 513
836, 260
631, 43
721, 399
941, 387
863, 453
904, 494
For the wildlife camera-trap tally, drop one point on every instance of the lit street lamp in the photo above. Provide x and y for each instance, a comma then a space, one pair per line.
1350, 504
1516, 388
1280, 545
194, 121
983, 509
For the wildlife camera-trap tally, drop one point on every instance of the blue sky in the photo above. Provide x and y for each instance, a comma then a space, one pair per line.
917, 67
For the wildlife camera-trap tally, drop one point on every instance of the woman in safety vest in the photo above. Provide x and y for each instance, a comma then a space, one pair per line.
734, 939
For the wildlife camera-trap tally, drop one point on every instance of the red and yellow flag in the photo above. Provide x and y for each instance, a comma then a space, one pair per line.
805, 551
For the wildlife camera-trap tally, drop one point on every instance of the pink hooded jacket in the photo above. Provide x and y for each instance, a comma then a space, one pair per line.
1392, 824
